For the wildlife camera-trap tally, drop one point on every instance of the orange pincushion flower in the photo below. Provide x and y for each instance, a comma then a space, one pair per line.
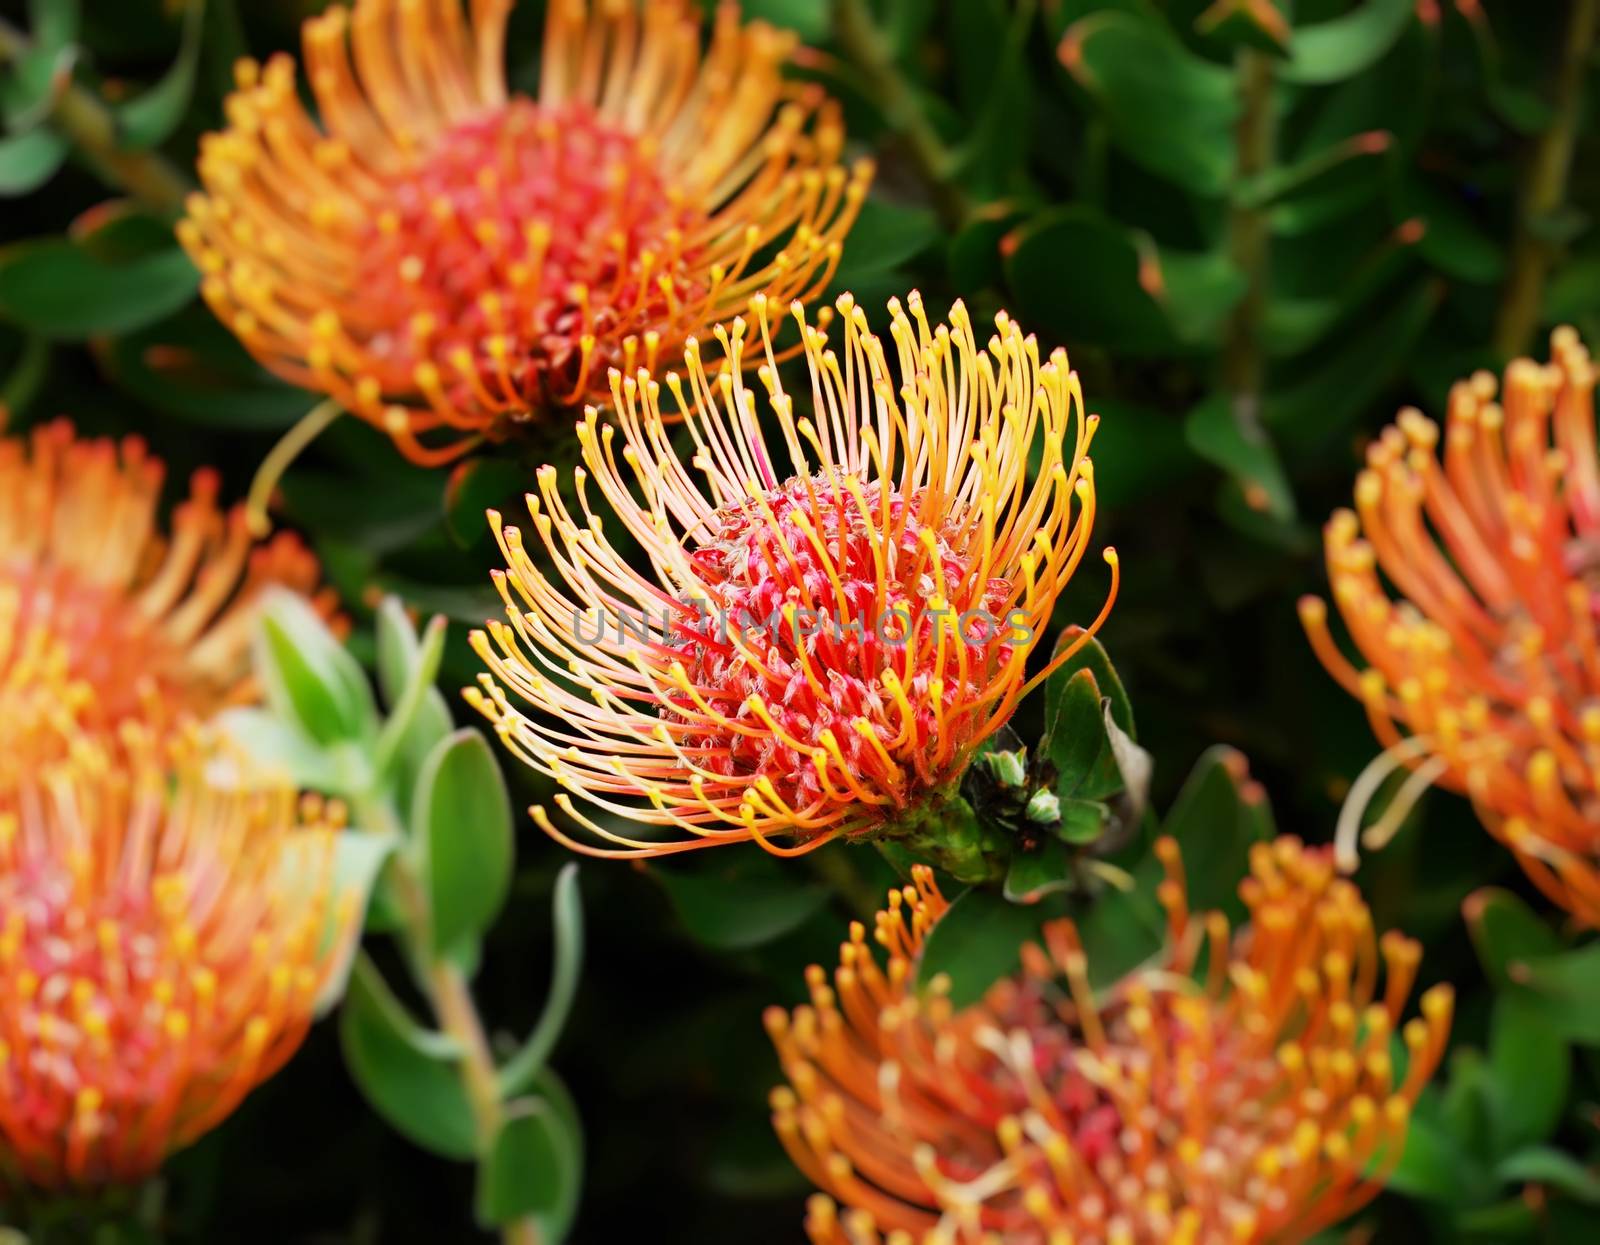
162, 941
102, 616
1251, 1102
1484, 676
829, 627
445, 259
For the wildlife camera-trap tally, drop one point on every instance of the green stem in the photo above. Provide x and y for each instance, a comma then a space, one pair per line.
1545, 190
1248, 238
866, 45
450, 996
92, 128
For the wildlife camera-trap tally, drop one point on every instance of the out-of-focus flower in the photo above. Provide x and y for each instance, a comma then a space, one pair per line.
446, 259
1239, 1091
833, 622
1484, 675
163, 938
103, 617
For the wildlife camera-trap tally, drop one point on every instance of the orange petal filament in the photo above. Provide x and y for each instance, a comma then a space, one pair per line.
103, 617
163, 937
1255, 1102
447, 259
1483, 670
831, 627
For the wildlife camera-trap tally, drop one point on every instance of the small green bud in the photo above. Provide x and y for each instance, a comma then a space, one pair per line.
1044, 807
1010, 769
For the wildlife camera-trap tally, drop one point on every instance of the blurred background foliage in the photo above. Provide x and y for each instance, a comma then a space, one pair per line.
1258, 232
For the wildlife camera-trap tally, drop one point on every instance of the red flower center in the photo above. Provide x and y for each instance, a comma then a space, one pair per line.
866, 594
522, 232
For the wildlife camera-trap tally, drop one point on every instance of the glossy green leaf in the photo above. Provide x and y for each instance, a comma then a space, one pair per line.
1530, 1070
29, 160
1216, 820
1076, 745
1433, 1167
476, 486
1244, 450
1505, 932
529, 1169
277, 745
190, 366
1561, 989
885, 236
523, 1068
1073, 737
1083, 822
741, 911
409, 1074
977, 941
33, 80
1554, 1169
150, 120
461, 823
359, 857
1320, 399
1168, 109
1451, 240
418, 718
1342, 47
55, 287
1045, 870
309, 678
1080, 275
807, 18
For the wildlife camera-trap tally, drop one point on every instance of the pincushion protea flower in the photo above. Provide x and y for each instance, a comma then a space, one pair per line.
102, 616
1251, 1101
446, 259
162, 942
1484, 675
829, 627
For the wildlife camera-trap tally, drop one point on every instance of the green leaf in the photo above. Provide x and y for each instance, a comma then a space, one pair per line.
28, 161
1083, 822
418, 718
32, 82
309, 678
461, 824
976, 942
1342, 47
1335, 386
1433, 1167
742, 911
1198, 290
188, 365
1079, 275
409, 1074
1168, 109
1216, 819
885, 236
1451, 240
1073, 736
1544, 1166
55, 287
476, 486
275, 744
523, 1068
807, 18
1244, 451
1505, 931
150, 120
530, 1170
1034, 874
358, 858
1561, 988
1530, 1069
